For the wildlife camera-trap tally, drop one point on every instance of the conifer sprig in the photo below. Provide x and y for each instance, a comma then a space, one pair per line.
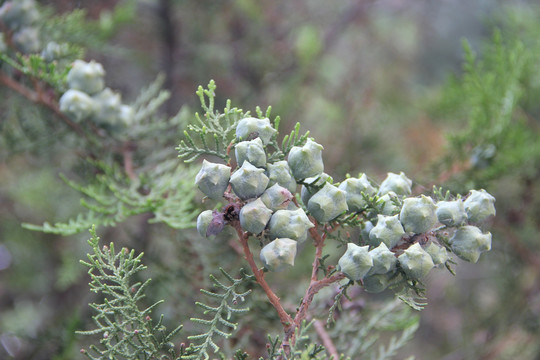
221, 323
126, 328
213, 132
361, 337
303, 348
35, 67
290, 140
114, 197
493, 96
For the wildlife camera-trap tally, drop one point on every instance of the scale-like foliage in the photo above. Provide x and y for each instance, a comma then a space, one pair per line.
114, 197
126, 328
304, 347
293, 139
214, 132
221, 323
77, 28
363, 337
395, 343
35, 66
492, 97
134, 178
160, 186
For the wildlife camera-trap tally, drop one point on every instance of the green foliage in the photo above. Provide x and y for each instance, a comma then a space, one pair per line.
440, 195
492, 97
75, 27
214, 131
161, 187
290, 140
221, 323
34, 66
113, 198
303, 349
213, 134
413, 296
361, 335
126, 328
337, 301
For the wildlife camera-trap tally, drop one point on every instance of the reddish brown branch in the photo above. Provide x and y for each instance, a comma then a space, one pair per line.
326, 340
286, 319
318, 241
127, 152
290, 324
314, 287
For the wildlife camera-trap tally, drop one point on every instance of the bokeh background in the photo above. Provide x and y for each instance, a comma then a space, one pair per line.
374, 81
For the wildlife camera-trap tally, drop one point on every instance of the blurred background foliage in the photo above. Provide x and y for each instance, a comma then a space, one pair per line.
384, 85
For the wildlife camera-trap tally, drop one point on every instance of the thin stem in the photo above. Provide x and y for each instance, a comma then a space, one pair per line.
326, 340
319, 244
286, 319
314, 287
127, 152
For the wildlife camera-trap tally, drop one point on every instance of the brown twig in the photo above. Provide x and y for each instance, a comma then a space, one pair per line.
312, 290
127, 152
326, 340
318, 241
286, 319
314, 287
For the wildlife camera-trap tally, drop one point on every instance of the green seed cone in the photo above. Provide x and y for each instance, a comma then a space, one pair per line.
391, 203
279, 254
356, 262
451, 213
203, 222
480, 205
313, 184
254, 216
213, 179
416, 262
252, 151
327, 203
292, 224
77, 105
438, 254
253, 127
86, 76
383, 260
108, 108
306, 161
469, 242
375, 283
280, 173
276, 197
418, 214
248, 181
388, 231
356, 188
400, 184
